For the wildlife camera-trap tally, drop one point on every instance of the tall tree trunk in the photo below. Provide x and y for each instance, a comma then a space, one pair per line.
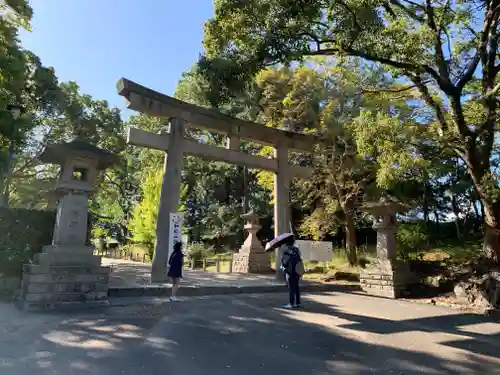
491, 242
476, 211
426, 210
482, 211
456, 212
425, 206
436, 216
491, 215
350, 240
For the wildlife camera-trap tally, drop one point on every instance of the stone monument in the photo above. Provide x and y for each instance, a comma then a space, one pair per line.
387, 276
67, 272
252, 257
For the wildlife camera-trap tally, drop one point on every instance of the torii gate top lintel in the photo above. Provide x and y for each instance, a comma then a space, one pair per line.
154, 103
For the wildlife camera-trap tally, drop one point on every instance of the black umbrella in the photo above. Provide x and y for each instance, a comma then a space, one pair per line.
278, 241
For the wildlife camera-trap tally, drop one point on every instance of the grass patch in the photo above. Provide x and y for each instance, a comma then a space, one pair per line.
450, 253
338, 265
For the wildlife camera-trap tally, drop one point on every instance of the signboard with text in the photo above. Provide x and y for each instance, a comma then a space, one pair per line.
176, 220
320, 251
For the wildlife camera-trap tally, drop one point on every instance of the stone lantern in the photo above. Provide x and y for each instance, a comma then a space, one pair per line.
67, 272
387, 276
252, 257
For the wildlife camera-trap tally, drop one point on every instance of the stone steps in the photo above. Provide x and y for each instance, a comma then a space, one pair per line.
65, 297
62, 278
62, 250
68, 259
61, 305
34, 269
66, 277
65, 287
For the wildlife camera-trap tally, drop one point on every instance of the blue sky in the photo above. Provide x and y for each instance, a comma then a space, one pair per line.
95, 42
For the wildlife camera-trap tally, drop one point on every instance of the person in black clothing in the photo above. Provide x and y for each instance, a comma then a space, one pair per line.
175, 269
289, 261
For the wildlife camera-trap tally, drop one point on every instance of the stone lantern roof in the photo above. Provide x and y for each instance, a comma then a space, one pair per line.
385, 207
60, 152
251, 216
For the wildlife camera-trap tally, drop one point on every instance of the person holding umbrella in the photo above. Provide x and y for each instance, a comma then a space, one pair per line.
291, 265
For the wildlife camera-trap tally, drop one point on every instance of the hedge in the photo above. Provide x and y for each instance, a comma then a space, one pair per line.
23, 233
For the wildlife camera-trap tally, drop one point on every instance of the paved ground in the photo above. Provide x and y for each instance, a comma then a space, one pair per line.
126, 273
251, 334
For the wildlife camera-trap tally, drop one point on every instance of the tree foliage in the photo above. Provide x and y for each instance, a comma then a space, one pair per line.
442, 53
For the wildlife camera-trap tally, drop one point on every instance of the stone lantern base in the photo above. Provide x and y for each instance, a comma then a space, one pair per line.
62, 277
387, 278
251, 263
252, 257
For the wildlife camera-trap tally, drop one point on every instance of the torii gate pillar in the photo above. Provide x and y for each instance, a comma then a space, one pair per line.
281, 201
169, 200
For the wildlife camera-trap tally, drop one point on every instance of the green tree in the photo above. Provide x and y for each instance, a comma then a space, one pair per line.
327, 99
68, 115
145, 214
445, 52
24, 82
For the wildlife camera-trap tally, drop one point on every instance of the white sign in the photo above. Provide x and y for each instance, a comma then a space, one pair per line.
320, 251
176, 220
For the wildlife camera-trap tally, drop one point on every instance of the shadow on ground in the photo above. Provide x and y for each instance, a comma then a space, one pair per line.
250, 335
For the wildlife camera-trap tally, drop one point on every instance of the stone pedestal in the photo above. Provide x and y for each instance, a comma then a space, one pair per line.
252, 257
67, 273
251, 263
62, 276
387, 276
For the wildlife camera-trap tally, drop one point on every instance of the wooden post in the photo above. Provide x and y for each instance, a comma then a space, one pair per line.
217, 265
204, 264
193, 263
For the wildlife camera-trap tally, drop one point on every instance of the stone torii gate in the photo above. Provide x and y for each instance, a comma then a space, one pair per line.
181, 115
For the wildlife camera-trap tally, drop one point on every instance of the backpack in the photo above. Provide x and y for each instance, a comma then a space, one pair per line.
295, 264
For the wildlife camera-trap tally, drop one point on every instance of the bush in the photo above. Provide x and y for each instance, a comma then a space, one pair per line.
23, 234
198, 251
411, 238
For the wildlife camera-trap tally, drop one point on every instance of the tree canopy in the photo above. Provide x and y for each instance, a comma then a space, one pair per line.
440, 53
